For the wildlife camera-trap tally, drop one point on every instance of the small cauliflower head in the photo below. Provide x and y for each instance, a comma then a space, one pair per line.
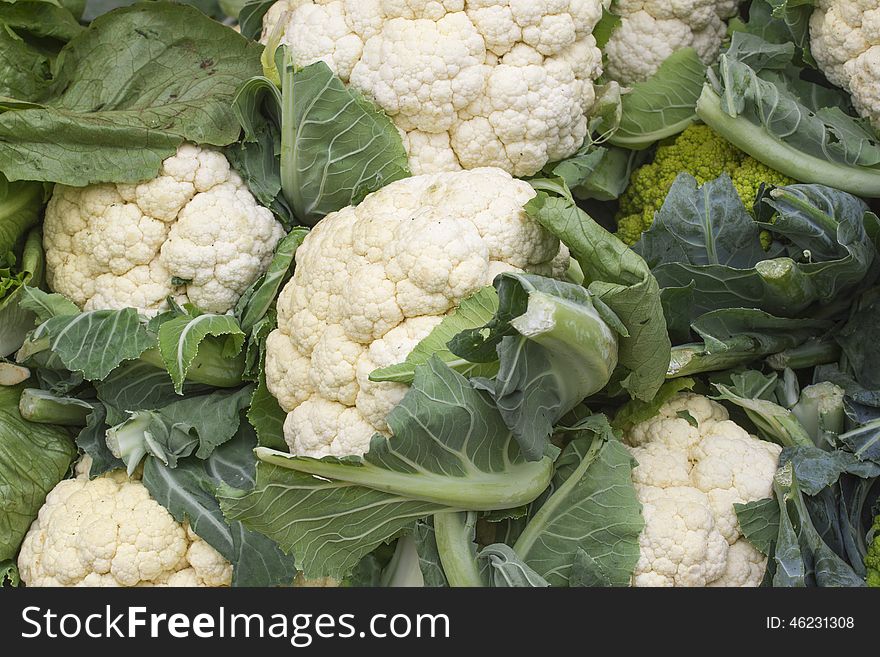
194, 233
470, 83
688, 478
651, 30
110, 532
845, 40
372, 281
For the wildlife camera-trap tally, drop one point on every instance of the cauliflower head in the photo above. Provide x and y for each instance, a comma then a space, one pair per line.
470, 83
194, 233
110, 532
372, 281
705, 155
688, 478
651, 30
845, 40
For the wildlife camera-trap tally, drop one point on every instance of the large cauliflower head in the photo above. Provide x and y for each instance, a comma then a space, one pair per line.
470, 83
688, 478
651, 30
845, 40
194, 233
372, 281
110, 532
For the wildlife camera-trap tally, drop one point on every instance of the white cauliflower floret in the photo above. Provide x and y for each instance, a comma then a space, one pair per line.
110, 532
688, 478
117, 246
372, 281
651, 30
845, 40
470, 83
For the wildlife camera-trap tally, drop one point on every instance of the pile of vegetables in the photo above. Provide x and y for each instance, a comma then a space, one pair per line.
461, 293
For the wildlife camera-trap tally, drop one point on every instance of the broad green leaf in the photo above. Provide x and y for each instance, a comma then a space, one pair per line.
755, 102
250, 17
429, 555
267, 417
181, 338
33, 459
198, 423
507, 569
702, 225
636, 410
47, 305
96, 342
663, 105
260, 297
595, 509
321, 175
92, 440
121, 129
621, 280
450, 450
189, 493
555, 351
817, 469
759, 523
733, 337
475, 311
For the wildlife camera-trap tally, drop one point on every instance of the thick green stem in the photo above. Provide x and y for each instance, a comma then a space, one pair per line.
40, 406
289, 182
455, 543
480, 491
754, 140
810, 354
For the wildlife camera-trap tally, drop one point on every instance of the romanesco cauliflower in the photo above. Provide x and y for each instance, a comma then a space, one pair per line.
872, 559
701, 153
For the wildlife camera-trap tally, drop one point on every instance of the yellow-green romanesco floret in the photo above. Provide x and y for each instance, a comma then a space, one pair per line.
872, 560
701, 153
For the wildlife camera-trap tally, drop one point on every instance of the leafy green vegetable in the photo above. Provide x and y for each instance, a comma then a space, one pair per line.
733, 337
802, 558
758, 102
594, 509
331, 512
507, 569
189, 492
122, 129
636, 410
620, 279
33, 459
21, 257
703, 239
95, 342
180, 341
555, 347
317, 143
9, 574
31, 34
759, 522
663, 105
193, 424
472, 313
454, 534
429, 554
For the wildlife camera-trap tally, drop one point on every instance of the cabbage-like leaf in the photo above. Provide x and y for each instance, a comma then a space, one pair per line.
663, 105
33, 459
450, 450
125, 94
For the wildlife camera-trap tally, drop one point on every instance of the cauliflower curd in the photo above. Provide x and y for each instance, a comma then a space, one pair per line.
110, 532
194, 233
470, 83
371, 281
688, 478
651, 30
845, 40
